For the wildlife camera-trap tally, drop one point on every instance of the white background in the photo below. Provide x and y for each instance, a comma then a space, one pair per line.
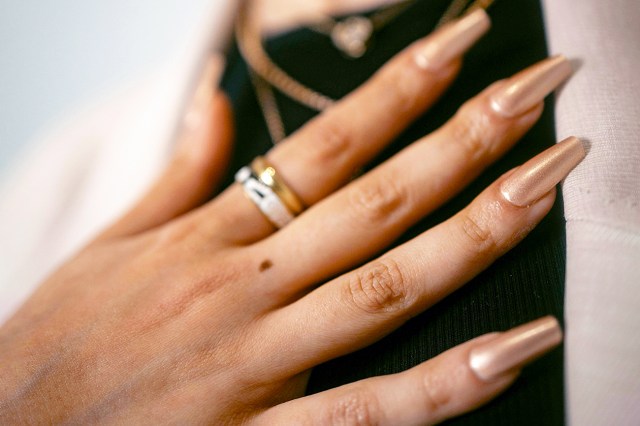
56, 55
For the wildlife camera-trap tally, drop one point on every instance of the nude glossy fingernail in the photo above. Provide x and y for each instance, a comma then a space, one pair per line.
542, 173
526, 89
452, 40
515, 348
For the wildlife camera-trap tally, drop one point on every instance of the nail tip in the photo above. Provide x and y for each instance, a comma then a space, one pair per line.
566, 62
558, 58
552, 323
558, 69
453, 40
530, 86
535, 178
481, 21
482, 17
573, 140
550, 329
566, 66
515, 348
576, 147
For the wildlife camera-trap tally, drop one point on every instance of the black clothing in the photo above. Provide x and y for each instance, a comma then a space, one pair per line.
527, 283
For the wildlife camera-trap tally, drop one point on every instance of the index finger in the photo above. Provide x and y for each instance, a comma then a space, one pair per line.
323, 155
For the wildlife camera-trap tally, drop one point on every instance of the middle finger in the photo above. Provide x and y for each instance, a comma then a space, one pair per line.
323, 155
360, 307
373, 211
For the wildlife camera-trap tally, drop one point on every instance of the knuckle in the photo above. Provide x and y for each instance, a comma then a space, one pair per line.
401, 88
379, 287
477, 230
175, 240
358, 407
330, 138
375, 201
471, 130
437, 392
174, 234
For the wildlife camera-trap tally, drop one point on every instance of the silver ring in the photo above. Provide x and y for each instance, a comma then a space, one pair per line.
264, 197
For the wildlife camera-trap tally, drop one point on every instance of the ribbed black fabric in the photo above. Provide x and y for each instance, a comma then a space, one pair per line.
525, 284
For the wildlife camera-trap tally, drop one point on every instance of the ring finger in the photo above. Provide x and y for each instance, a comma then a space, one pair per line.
323, 155
370, 213
362, 306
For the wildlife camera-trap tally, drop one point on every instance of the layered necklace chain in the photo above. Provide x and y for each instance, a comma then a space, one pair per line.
350, 36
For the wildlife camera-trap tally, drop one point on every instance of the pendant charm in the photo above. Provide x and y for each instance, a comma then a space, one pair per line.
352, 36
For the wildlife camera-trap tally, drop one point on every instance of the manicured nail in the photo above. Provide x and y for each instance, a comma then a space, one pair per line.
205, 92
453, 40
526, 89
515, 348
535, 178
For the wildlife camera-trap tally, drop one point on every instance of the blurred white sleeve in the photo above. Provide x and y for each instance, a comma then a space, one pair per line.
93, 165
601, 104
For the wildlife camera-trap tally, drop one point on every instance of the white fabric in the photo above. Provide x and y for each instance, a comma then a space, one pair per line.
78, 179
601, 104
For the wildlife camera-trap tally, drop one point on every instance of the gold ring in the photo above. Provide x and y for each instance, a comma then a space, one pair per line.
267, 174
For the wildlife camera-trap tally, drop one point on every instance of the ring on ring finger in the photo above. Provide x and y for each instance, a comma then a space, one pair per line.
274, 198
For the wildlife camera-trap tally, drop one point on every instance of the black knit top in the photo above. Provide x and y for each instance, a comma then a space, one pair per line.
525, 284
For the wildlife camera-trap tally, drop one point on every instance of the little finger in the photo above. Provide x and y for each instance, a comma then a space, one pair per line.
453, 383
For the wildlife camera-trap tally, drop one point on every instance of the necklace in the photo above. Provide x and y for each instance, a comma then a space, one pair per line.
351, 36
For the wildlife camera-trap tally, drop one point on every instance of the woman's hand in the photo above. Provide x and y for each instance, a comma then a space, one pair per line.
179, 314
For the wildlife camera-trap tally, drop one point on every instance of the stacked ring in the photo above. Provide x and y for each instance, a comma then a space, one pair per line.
263, 186
267, 174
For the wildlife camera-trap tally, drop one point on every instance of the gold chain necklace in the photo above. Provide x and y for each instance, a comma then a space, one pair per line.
350, 36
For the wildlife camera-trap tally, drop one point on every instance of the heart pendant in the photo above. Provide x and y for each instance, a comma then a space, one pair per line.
352, 35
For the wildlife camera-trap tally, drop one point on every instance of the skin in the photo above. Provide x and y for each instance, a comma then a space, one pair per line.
184, 312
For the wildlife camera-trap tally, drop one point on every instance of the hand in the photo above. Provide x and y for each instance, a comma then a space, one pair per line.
181, 313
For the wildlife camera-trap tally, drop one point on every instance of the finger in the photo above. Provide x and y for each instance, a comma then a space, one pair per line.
453, 383
372, 212
325, 153
197, 166
362, 306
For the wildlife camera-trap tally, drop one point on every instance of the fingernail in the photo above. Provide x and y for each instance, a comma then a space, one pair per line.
515, 348
542, 173
452, 40
526, 89
205, 92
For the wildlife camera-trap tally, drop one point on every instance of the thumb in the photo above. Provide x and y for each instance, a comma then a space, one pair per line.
198, 163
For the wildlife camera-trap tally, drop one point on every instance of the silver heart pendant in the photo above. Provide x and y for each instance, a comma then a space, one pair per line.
352, 35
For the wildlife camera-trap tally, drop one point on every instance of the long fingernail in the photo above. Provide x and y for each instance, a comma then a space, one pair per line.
205, 92
526, 89
535, 178
515, 348
452, 40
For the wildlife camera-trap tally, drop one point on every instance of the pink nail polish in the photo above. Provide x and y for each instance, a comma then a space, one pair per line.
453, 40
526, 89
515, 348
538, 176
